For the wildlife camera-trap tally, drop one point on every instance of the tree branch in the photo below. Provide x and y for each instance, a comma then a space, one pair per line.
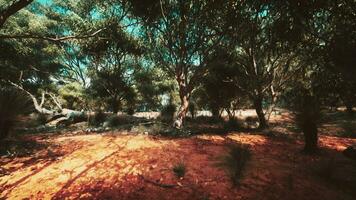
52, 39
12, 9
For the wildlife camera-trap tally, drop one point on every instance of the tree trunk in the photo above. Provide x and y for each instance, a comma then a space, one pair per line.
260, 114
4, 129
182, 112
310, 131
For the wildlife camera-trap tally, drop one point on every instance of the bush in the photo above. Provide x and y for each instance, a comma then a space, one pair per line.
167, 112
12, 104
97, 119
235, 162
208, 119
155, 128
252, 121
76, 117
192, 110
233, 124
179, 169
130, 111
117, 120
40, 119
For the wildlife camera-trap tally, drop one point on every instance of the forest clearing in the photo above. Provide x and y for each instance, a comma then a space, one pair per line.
178, 99
129, 165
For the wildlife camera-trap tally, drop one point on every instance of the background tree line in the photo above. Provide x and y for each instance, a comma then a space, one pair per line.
131, 55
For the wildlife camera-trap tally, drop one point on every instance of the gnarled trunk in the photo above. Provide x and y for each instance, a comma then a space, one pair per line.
260, 114
310, 131
182, 112
184, 95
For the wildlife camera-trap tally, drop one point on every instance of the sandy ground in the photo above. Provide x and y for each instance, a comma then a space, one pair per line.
124, 166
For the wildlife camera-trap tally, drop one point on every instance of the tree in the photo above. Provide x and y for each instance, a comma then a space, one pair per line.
181, 35
151, 86
11, 9
29, 64
265, 60
220, 93
112, 65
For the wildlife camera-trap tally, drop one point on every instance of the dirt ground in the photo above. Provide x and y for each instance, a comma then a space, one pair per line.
126, 166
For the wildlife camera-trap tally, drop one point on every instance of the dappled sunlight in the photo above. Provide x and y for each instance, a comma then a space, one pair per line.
51, 176
140, 167
248, 139
336, 143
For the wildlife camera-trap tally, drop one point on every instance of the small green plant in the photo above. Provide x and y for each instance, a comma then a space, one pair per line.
179, 169
235, 161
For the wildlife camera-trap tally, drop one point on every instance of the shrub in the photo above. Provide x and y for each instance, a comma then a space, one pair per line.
167, 112
117, 120
192, 110
155, 128
233, 124
12, 104
130, 111
179, 169
235, 162
76, 117
14, 147
208, 119
40, 119
252, 121
349, 129
97, 119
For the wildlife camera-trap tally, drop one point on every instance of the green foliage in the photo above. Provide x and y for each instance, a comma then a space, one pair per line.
152, 128
179, 169
233, 124
76, 117
73, 95
117, 120
40, 119
130, 111
251, 121
97, 119
168, 111
151, 87
19, 147
349, 129
12, 104
112, 86
192, 109
235, 162
307, 114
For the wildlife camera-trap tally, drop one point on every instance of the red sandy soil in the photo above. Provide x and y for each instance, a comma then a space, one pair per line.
114, 166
